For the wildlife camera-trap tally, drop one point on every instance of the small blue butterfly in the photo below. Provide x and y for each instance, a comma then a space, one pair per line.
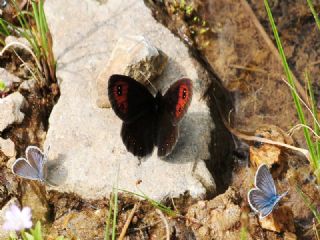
33, 167
263, 198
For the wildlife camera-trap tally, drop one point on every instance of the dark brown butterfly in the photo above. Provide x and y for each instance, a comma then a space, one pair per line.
149, 121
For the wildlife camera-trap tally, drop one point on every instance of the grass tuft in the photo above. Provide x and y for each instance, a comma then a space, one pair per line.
307, 200
154, 203
33, 27
312, 145
314, 13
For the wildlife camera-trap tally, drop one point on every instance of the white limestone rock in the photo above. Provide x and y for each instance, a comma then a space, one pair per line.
10, 110
87, 154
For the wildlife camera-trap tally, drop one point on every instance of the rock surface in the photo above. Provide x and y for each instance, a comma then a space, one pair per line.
280, 220
86, 151
28, 85
133, 56
216, 219
10, 110
261, 153
7, 147
21, 40
8, 78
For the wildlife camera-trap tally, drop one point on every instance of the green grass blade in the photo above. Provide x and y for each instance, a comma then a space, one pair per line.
24, 33
27, 236
243, 233
312, 102
154, 203
4, 29
309, 204
108, 220
42, 29
314, 112
115, 214
20, 16
302, 119
314, 13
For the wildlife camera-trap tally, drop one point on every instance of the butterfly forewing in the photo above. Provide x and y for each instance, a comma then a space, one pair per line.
129, 98
264, 181
177, 99
35, 157
37, 160
23, 169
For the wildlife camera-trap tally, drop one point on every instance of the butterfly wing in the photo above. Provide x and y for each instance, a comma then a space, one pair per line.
138, 136
167, 134
22, 168
261, 203
37, 160
174, 105
264, 181
129, 99
177, 99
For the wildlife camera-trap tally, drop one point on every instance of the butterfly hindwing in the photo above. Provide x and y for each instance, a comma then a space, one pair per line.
138, 135
260, 202
167, 135
129, 98
22, 168
177, 99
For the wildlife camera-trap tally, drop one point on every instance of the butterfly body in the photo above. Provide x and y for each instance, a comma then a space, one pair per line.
149, 121
264, 197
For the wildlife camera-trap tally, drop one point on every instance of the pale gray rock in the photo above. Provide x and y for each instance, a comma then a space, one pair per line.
133, 56
10, 110
7, 147
87, 154
8, 78
20, 40
28, 85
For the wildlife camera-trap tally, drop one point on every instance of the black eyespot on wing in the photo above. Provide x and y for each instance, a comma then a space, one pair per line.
178, 98
129, 99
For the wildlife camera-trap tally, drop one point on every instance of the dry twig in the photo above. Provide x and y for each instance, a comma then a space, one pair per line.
164, 220
129, 219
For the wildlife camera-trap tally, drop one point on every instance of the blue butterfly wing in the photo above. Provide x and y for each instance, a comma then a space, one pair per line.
264, 181
262, 203
22, 168
37, 160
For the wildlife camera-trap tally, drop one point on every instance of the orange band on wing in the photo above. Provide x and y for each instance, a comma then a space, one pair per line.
120, 93
183, 99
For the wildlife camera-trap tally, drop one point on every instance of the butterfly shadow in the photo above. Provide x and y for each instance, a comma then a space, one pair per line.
192, 144
57, 173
